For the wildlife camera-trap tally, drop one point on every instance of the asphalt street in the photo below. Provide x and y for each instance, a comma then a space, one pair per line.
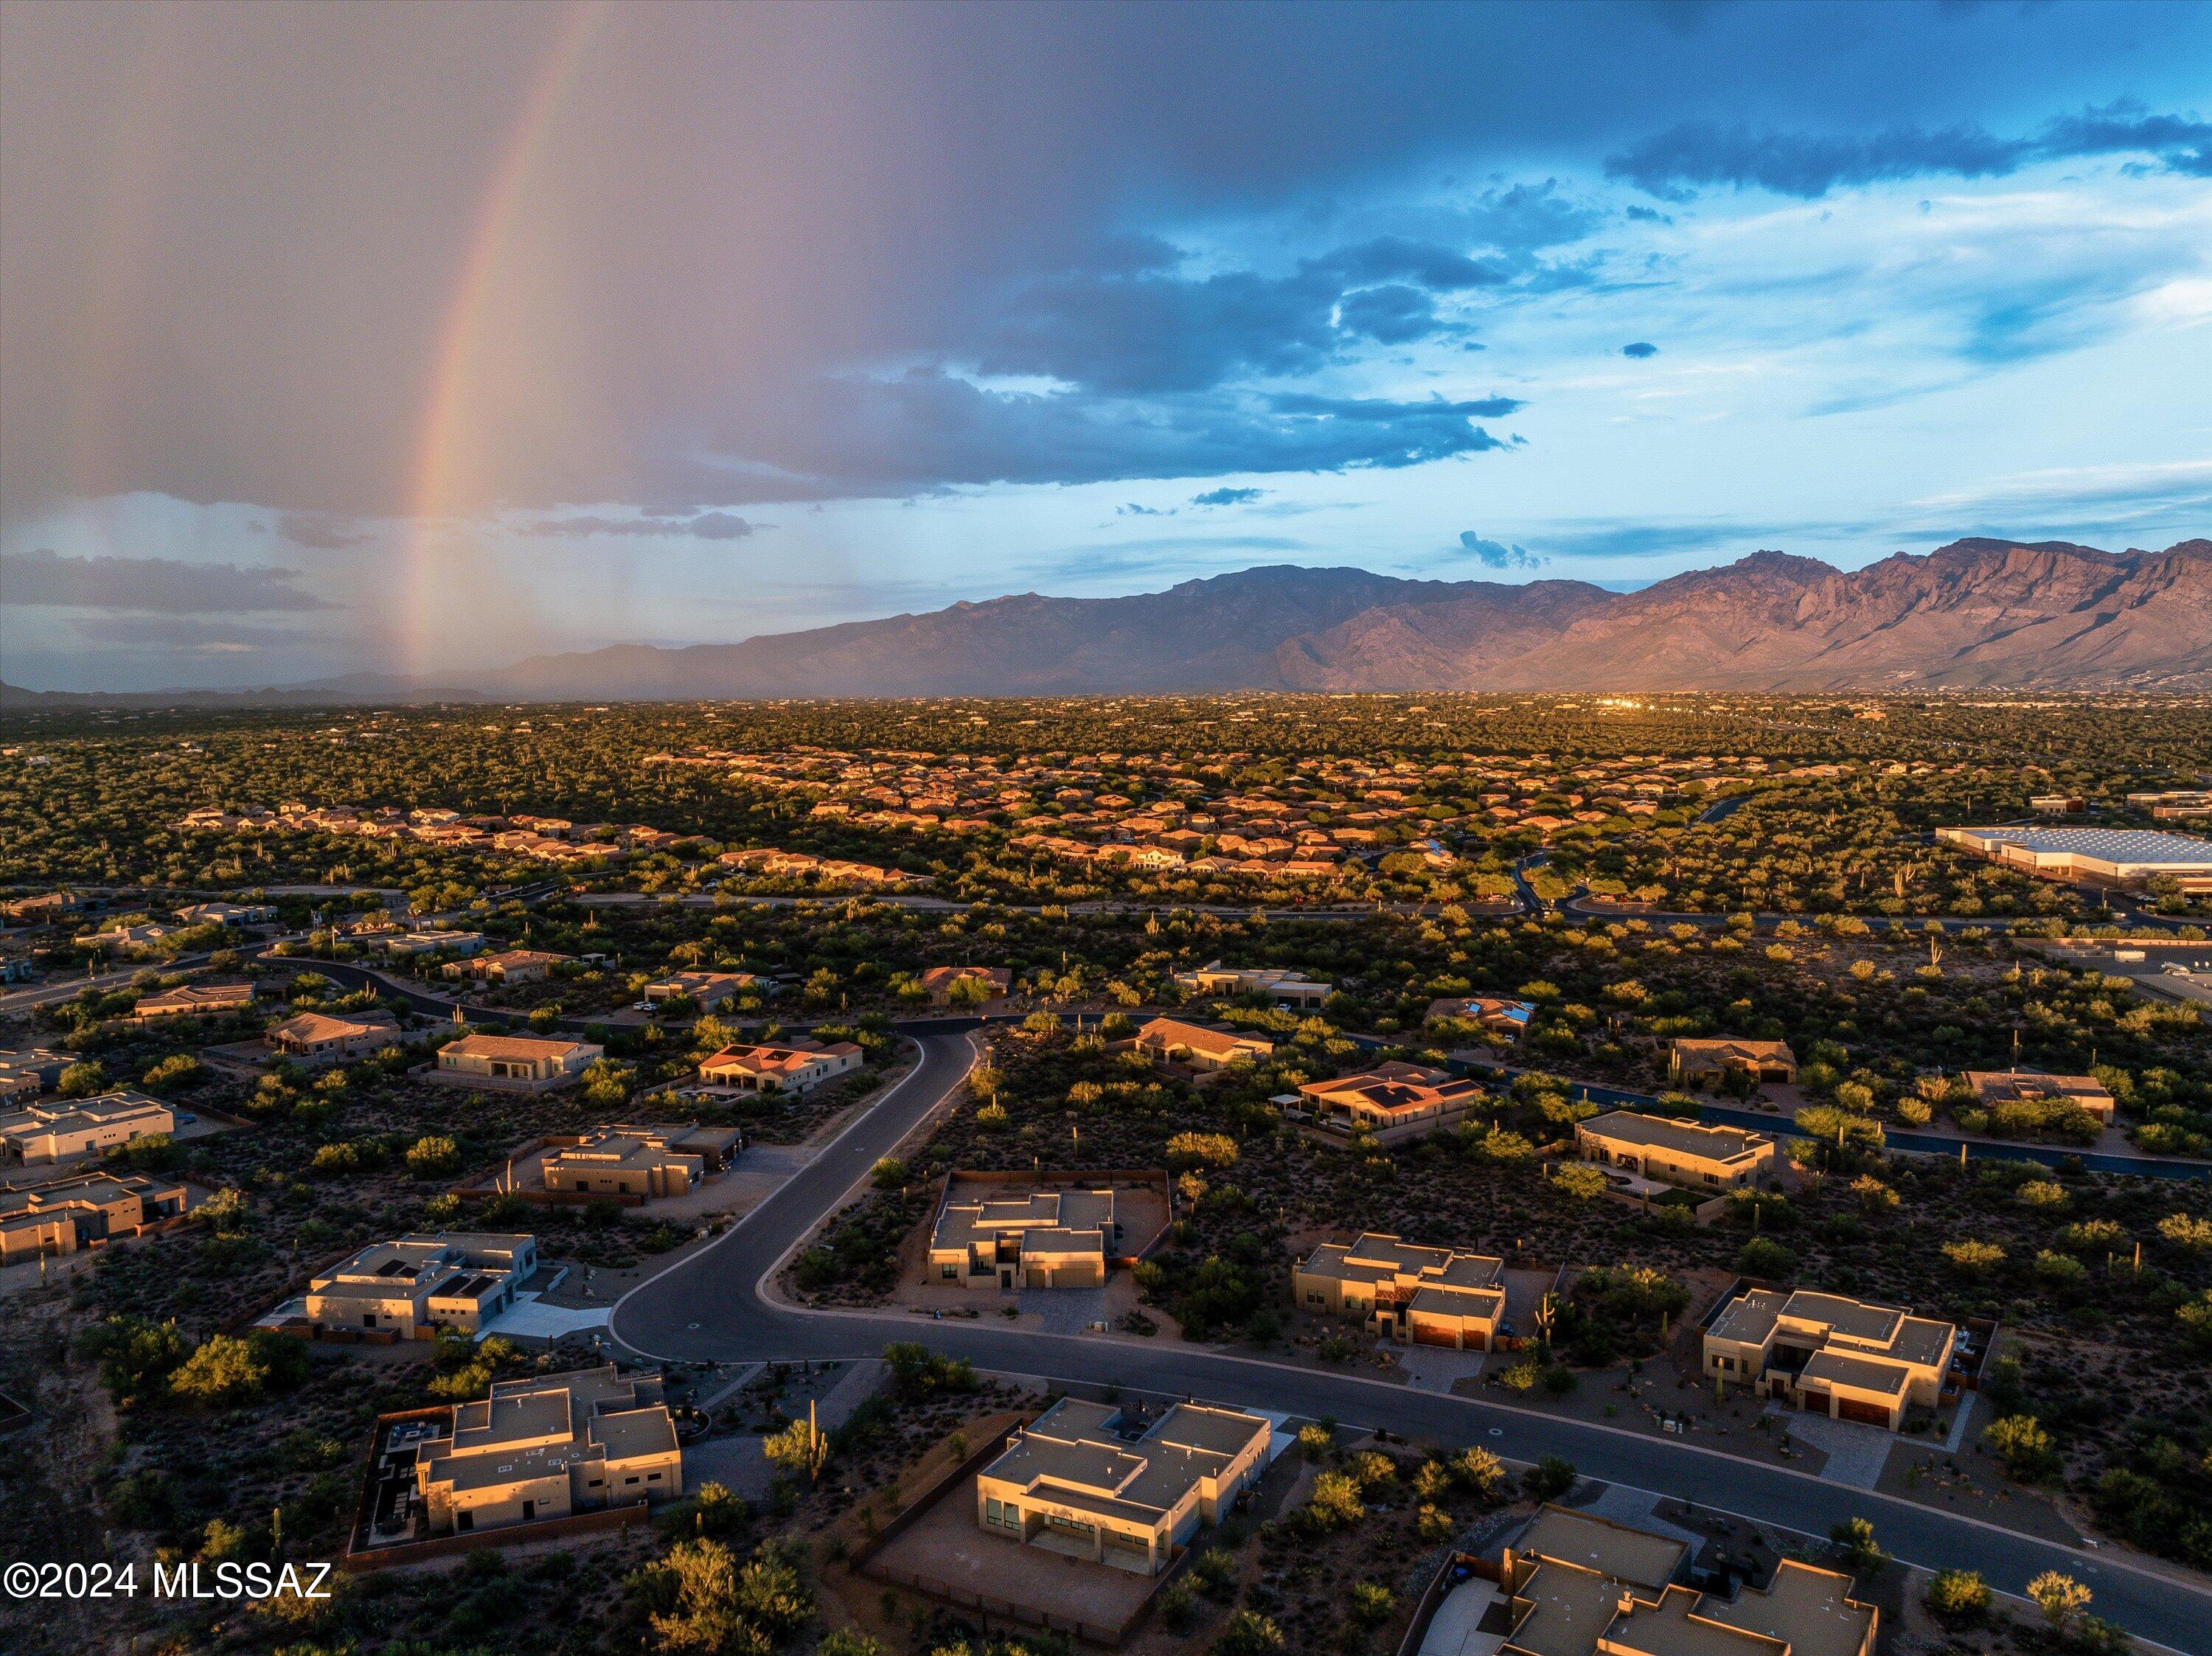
710, 1306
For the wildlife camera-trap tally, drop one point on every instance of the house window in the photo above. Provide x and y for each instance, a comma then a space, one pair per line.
629, 1480
653, 1477
949, 1271
370, 1321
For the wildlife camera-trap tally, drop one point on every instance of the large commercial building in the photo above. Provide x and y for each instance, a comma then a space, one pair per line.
2117, 858
1034, 1239
1675, 1152
1578, 1584
546, 1446
1832, 1356
53, 1133
1432, 1295
1072, 1484
411, 1287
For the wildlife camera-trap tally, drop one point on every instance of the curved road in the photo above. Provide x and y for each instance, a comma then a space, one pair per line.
709, 1307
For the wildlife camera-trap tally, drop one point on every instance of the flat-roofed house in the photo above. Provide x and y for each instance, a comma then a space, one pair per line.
433, 942
1392, 1101
507, 966
1992, 1088
228, 913
60, 1216
937, 982
38, 1133
1691, 1063
26, 1075
1493, 1014
1032, 1239
1171, 1040
706, 990
1675, 1152
1071, 1484
1578, 1584
193, 1000
788, 1067
516, 1063
413, 1287
1282, 984
547, 1445
1432, 1295
639, 1161
326, 1037
1831, 1355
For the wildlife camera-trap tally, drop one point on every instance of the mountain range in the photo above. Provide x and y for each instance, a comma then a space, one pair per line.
1975, 614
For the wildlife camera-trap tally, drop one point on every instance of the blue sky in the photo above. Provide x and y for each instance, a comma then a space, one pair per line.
724, 321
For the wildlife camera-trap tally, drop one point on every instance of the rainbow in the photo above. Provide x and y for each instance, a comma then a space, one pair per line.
439, 455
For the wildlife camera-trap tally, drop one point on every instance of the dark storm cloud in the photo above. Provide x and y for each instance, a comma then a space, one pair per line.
1227, 497
1692, 153
319, 532
158, 585
1641, 348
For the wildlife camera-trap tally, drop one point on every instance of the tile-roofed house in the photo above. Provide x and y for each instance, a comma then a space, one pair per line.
1830, 1354
938, 981
515, 1063
1028, 1239
323, 1037
1071, 1483
1675, 1152
1691, 1061
1171, 1040
785, 1067
1432, 1295
193, 1000
1392, 1101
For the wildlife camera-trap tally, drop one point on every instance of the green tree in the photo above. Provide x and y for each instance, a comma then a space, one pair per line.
2059, 1597
2024, 1445
1957, 1595
225, 1372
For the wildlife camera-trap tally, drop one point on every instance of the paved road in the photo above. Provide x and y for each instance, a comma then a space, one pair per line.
709, 1307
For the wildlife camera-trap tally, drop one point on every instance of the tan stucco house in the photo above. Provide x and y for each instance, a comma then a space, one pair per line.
1393, 1102
1283, 983
35, 1133
786, 1066
1171, 1040
411, 1288
515, 1063
1691, 1063
1831, 1355
1027, 1239
639, 1161
1071, 1484
1676, 1152
1432, 1296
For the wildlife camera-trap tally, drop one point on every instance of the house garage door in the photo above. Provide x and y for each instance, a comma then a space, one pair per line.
1872, 1414
1427, 1333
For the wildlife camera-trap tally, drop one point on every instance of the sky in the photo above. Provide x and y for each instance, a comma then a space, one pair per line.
364, 337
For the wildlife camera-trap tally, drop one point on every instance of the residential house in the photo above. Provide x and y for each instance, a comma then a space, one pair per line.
508, 966
1675, 1152
1393, 1102
1574, 1584
1071, 1484
411, 1287
640, 1161
937, 982
326, 1038
1032, 1239
513, 1063
229, 913
27, 1074
1698, 1062
1994, 1087
1494, 1015
52, 1132
789, 1066
1432, 1296
1171, 1040
1282, 984
1830, 1355
409, 943
193, 1000
60, 1216
545, 1446
706, 990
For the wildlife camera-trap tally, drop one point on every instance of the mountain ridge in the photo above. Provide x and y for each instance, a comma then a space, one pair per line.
1979, 612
